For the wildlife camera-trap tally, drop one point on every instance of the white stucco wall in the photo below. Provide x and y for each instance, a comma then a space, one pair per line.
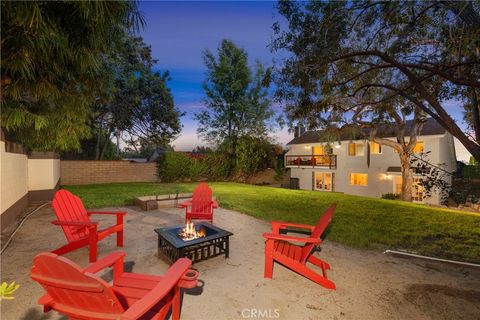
14, 177
43, 174
441, 149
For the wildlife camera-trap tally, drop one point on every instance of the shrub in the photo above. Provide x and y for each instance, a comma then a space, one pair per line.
255, 154
174, 166
391, 196
215, 166
471, 172
178, 166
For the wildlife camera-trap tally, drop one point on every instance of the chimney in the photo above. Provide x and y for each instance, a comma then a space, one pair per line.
302, 130
299, 130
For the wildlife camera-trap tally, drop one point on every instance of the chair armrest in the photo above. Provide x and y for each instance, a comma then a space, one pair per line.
169, 280
189, 279
123, 213
186, 204
74, 223
214, 204
283, 225
105, 262
271, 236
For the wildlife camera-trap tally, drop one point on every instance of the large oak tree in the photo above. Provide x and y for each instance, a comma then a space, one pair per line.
365, 63
430, 48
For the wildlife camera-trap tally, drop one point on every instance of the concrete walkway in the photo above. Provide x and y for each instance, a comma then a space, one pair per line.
370, 285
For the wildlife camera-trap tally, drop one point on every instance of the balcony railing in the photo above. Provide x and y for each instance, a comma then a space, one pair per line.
322, 161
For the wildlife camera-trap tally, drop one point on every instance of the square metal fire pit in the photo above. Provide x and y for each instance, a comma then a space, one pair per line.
172, 247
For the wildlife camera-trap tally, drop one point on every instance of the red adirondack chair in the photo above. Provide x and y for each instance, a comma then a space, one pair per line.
81, 294
202, 204
279, 247
79, 230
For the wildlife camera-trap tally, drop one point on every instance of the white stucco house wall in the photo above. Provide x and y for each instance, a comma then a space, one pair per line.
359, 167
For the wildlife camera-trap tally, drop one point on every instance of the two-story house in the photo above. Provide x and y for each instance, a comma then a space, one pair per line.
361, 167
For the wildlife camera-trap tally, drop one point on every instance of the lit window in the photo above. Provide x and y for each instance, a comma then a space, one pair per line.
351, 149
398, 184
358, 179
318, 150
355, 149
375, 148
419, 147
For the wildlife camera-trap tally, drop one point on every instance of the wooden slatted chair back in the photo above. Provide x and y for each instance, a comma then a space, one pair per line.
73, 292
318, 231
68, 207
202, 199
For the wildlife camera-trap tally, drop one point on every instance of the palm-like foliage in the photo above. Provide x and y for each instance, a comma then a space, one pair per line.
51, 66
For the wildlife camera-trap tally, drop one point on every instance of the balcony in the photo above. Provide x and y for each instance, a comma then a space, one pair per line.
314, 161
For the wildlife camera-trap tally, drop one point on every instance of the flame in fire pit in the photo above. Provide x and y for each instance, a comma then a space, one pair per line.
189, 232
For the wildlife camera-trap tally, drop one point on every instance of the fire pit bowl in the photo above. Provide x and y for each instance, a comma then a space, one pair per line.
197, 241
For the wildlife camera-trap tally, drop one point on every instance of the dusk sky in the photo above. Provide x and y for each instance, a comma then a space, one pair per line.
180, 31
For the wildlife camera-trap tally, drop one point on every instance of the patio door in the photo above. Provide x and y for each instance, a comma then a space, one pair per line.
324, 181
418, 191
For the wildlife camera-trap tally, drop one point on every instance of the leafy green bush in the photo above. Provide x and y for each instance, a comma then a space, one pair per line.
279, 167
174, 166
471, 172
216, 166
391, 196
253, 155
179, 166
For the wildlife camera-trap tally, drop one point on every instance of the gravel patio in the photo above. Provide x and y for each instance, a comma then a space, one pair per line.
370, 285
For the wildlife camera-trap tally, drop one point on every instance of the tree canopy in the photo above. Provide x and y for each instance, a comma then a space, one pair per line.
51, 67
138, 103
237, 102
356, 62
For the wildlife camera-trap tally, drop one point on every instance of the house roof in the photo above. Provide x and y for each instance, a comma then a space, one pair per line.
430, 127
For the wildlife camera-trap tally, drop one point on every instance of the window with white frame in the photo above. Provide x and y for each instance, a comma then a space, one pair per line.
359, 179
375, 148
355, 149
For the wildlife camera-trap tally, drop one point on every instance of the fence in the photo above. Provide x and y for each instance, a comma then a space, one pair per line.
25, 178
93, 172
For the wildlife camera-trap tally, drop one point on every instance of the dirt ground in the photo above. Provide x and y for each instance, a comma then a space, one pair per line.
370, 285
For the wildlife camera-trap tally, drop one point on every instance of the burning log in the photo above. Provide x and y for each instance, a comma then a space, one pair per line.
189, 232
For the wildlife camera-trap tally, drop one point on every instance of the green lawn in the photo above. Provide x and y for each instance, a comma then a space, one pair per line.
359, 221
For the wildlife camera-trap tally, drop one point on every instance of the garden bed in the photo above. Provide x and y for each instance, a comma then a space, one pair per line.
161, 201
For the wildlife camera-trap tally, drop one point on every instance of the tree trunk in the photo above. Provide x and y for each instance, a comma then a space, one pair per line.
97, 146
105, 144
117, 136
232, 158
475, 113
407, 177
